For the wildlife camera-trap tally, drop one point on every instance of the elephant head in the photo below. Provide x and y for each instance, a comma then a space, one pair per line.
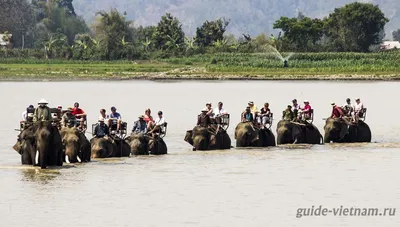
289, 133
335, 130
201, 138
138, 143
85, 147
48, 145
246, 135
71, 144
101, 148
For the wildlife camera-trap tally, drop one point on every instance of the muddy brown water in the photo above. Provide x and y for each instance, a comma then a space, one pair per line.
240, 187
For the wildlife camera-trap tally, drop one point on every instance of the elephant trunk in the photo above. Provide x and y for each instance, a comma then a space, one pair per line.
71, 151
201, 143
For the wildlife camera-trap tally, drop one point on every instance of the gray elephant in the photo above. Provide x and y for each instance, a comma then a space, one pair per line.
144, 144
75, 145
122, 148
247, 135
289, 132
138, 143
341, 131
101, 147
202, 138
40, 144
108, 147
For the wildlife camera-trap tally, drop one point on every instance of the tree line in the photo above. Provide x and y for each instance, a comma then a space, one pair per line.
51, 29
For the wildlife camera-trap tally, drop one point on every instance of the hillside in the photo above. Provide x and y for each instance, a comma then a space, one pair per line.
251, 16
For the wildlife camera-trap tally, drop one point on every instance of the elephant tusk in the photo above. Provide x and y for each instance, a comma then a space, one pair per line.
67, 159
295, 141
79, 159
37, 157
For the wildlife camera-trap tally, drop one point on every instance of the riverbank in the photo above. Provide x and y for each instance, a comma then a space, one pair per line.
225, 66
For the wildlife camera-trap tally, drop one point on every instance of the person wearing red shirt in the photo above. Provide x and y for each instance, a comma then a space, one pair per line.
336, 111
148, 118
79, 114
306, 111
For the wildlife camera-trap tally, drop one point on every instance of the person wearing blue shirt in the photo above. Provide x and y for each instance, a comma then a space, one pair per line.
115, 118
140, 126
247, 116
101, 130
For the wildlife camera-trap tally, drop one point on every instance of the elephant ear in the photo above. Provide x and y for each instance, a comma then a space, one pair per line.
17, 147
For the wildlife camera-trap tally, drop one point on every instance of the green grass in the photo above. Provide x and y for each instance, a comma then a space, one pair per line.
375, 65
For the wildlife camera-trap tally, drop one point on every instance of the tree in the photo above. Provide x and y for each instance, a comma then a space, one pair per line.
143, 37
112, 30
302, 33
356, 26
211, 32
67, 5
396, 35
169, 35
16, 17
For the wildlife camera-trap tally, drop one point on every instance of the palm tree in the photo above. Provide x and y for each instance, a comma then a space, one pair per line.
146, 44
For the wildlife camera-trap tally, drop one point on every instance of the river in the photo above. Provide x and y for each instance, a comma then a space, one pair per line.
240, 187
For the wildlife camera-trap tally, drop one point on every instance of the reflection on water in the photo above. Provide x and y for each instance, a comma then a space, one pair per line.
38, 175
239, 187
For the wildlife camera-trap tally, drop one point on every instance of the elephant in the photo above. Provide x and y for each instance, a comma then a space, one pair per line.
75, 144
289, 132
102, 147
121, 148
108, 147
201, 138
340, 131
247, 135
138, 143
40, 144
157, 146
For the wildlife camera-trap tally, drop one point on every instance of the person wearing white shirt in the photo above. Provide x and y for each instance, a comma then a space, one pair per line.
160, 120
219, 111
159, 123
358, 108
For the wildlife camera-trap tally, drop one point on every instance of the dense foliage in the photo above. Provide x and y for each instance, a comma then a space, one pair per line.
52, 29
249, 17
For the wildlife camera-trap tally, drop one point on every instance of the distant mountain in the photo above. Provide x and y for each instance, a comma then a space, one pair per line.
247, 16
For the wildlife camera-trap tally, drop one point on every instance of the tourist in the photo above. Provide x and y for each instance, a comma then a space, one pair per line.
42, 112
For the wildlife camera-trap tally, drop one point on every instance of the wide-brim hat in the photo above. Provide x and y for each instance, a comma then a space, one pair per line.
306, 101
43, 101
69, 109
251, 103
101, 119
141, 116
332, 103
204, 110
